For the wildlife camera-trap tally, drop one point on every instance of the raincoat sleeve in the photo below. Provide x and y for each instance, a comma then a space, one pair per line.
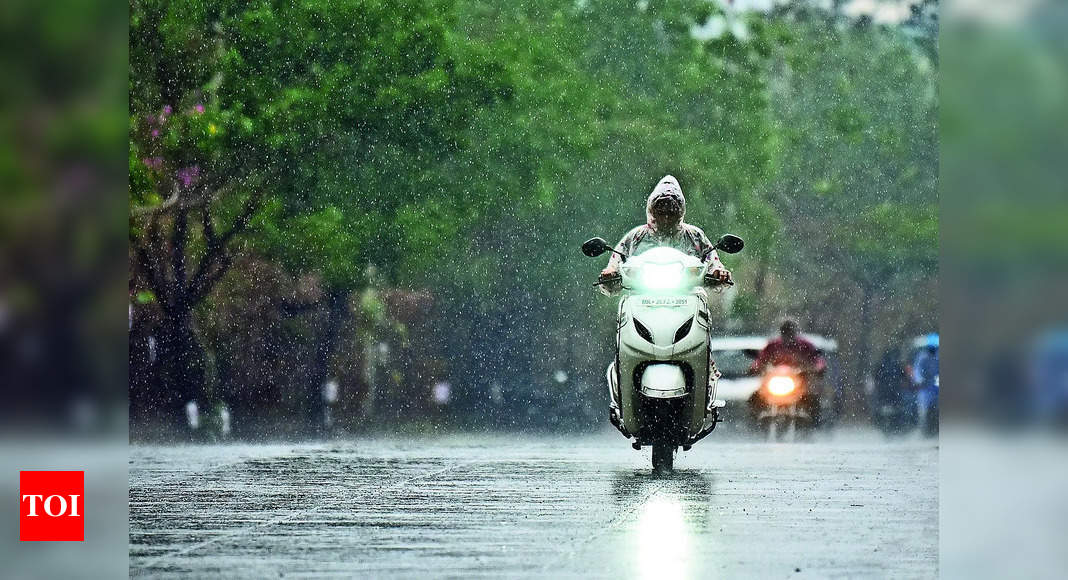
918, 368
764, 358
705, 244
714, 259
814, 357
614, 262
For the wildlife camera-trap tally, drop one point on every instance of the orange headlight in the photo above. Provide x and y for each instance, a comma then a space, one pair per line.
780, 386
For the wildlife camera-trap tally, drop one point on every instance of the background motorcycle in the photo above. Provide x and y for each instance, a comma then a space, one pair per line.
786, 407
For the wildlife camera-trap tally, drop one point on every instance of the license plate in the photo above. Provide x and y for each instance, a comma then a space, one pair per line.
664, 301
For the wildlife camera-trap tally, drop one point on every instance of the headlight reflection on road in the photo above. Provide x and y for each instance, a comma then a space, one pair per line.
663, 539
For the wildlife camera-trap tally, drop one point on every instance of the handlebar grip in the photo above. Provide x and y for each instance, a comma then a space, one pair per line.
616, 278
720, 282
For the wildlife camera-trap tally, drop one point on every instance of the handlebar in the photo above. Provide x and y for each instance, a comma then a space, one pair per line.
615, 278
618, 277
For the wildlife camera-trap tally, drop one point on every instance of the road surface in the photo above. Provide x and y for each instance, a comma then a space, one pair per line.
846, 506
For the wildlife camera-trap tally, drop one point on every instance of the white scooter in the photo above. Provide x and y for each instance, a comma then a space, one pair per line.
659, 383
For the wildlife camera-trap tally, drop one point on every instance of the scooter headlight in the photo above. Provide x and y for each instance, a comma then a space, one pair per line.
780, 386
662, 276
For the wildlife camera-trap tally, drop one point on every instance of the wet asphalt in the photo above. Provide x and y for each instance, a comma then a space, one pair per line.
846, 505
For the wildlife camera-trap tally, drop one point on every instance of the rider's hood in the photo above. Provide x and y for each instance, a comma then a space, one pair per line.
668, 187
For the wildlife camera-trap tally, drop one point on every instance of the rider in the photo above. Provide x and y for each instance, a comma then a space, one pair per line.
790, 349
925, 378
793, 350
664, 212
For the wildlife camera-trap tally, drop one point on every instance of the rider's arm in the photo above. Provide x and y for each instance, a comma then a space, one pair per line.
761, 361
705, 244
623, 247
820, 363
716, 274
918, 365
813, 358
712, 259
614, 262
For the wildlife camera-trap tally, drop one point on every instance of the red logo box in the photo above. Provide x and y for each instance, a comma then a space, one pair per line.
52, 506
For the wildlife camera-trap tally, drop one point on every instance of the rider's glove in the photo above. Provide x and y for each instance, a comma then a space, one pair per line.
718, 276
610, 280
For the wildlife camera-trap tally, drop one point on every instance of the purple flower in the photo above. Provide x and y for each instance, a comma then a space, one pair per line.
188, 175
153, 162
199, 108
167, 109
155, 132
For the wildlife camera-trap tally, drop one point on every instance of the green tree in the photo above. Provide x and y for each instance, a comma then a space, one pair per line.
856, 180
316, 123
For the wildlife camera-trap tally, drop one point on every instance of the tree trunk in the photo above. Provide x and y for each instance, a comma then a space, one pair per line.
855, 403
179, 288
760, 293
182, 364
337, 310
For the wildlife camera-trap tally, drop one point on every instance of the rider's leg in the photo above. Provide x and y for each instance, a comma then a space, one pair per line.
612, 379
713, 378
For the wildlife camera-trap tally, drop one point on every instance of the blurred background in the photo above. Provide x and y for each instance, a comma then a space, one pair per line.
63, 142
1004, 270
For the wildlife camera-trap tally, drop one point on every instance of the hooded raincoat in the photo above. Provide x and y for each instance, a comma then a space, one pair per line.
682, 236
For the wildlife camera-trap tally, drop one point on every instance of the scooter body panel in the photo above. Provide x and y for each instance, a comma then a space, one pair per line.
678, 326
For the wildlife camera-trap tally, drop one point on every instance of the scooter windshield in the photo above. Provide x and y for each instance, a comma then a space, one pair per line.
662, 270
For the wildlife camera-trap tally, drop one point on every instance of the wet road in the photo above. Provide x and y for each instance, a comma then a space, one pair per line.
492, 506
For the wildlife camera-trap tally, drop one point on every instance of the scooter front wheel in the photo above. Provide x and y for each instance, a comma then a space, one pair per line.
772, 429
663, 457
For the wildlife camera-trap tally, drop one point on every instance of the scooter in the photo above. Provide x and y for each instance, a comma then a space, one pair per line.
659, 384
781, 407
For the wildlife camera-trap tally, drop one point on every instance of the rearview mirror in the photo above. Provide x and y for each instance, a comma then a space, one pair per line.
595, 247
730, 244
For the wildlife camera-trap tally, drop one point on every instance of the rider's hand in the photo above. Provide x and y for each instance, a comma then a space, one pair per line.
610, 278
718, 275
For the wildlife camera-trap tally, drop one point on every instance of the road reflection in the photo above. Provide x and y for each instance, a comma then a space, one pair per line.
662, 539
662, 519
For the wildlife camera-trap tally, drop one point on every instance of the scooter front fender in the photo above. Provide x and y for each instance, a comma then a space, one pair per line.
663, 381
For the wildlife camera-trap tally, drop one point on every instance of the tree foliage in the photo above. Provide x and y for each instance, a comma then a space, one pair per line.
310, 168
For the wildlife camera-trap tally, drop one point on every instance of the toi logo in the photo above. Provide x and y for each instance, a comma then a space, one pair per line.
51, 506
